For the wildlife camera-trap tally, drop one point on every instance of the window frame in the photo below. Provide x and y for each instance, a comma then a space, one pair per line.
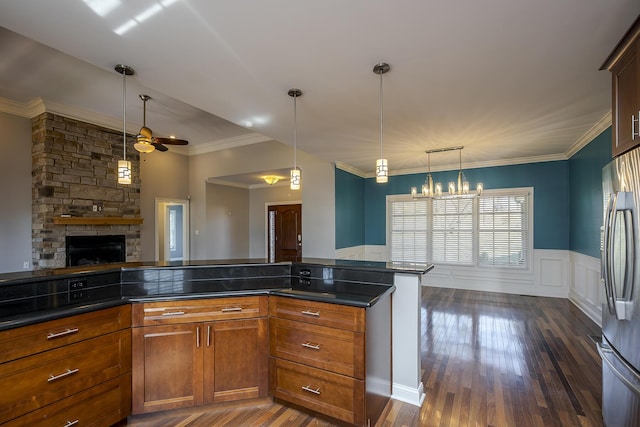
475, 245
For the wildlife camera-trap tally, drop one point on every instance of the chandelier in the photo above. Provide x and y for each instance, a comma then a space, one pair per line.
461, 190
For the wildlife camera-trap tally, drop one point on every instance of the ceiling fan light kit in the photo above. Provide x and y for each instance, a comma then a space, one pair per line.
124, 166
145, 141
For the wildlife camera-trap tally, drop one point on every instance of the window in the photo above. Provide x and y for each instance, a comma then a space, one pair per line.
493, 230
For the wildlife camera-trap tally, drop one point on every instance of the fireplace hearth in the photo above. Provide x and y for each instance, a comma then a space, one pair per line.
94, 250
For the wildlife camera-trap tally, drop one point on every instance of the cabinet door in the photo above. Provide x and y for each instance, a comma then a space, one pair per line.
167, 367
626, 101
236, 360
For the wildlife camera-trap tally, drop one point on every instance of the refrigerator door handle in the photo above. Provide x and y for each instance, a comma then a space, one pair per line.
631, 379
622, 201
605, 270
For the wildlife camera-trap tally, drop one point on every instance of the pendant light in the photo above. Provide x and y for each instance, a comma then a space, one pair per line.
124, 166
296, 173
461, 190
382, 166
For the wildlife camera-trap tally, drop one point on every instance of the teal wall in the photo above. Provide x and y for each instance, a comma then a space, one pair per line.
349, 193
585, 190
551, 198
567, 199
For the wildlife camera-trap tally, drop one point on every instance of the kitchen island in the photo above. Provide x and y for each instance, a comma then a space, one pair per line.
33, 298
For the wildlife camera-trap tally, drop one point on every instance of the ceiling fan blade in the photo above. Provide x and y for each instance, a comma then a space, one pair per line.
159, 146
170, 141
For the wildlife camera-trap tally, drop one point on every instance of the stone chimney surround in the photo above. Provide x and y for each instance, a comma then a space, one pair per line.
74, 172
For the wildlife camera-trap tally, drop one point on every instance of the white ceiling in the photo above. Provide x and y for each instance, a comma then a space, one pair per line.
511, 80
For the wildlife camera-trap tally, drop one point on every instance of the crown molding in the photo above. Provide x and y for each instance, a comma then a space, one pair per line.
223, 144
590, 135
352, 170
29, 110
467, 165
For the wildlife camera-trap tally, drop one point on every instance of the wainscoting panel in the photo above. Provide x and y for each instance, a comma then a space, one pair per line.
586, 291
554, 273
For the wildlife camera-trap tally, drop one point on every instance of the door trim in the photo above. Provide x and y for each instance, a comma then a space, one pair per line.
160, 204
266, 220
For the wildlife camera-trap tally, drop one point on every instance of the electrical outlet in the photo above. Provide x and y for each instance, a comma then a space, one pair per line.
25, 265
95, 208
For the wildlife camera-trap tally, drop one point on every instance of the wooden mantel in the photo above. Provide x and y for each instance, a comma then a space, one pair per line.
93, 220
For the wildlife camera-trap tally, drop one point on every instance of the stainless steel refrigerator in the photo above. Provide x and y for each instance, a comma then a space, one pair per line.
620, 269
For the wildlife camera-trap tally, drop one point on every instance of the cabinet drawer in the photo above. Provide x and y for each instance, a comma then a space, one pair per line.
32, 339
335, 350
331, 394
202, 310
32, 382
318, 313
102, 405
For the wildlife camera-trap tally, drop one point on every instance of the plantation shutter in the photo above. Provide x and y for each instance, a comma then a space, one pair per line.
409, 231
503, 230
452, 231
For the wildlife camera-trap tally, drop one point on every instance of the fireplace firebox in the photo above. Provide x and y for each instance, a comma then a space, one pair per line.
93, 250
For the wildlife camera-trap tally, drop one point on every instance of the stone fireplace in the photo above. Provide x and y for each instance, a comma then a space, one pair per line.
75, 190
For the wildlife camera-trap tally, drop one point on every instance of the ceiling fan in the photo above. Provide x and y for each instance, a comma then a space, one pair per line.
145, 141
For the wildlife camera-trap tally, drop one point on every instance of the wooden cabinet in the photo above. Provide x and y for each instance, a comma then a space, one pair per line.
193, 352
325, 359
49, 369
624, 64
236, 360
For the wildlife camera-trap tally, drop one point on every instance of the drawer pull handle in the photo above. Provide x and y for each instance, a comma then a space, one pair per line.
71, 423
208, 336
174, 313
231, 309
198, 337
311, 313
54, 335
64, 374
311, 346
311, 390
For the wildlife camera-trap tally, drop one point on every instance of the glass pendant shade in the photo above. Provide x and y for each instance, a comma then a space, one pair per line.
143, 147
296, 178
382, 171
124, 172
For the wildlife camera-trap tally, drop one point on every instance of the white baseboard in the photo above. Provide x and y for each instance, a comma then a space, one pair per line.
408, 395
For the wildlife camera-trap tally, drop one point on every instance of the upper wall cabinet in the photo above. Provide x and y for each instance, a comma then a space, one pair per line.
624, 64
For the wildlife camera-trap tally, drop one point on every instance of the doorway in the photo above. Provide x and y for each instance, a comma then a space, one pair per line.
284, 232
172, 230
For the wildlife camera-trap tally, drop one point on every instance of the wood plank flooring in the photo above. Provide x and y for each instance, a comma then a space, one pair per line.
488, 359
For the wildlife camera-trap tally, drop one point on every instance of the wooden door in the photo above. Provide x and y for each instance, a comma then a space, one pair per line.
285, 233
236, 360
167, 367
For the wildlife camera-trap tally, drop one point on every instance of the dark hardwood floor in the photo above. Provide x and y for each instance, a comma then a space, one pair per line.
488, 359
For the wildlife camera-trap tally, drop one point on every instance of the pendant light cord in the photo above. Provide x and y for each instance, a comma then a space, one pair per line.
295, 130
381, 115
124, 113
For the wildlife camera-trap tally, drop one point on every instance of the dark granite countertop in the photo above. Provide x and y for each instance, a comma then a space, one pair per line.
37, 296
